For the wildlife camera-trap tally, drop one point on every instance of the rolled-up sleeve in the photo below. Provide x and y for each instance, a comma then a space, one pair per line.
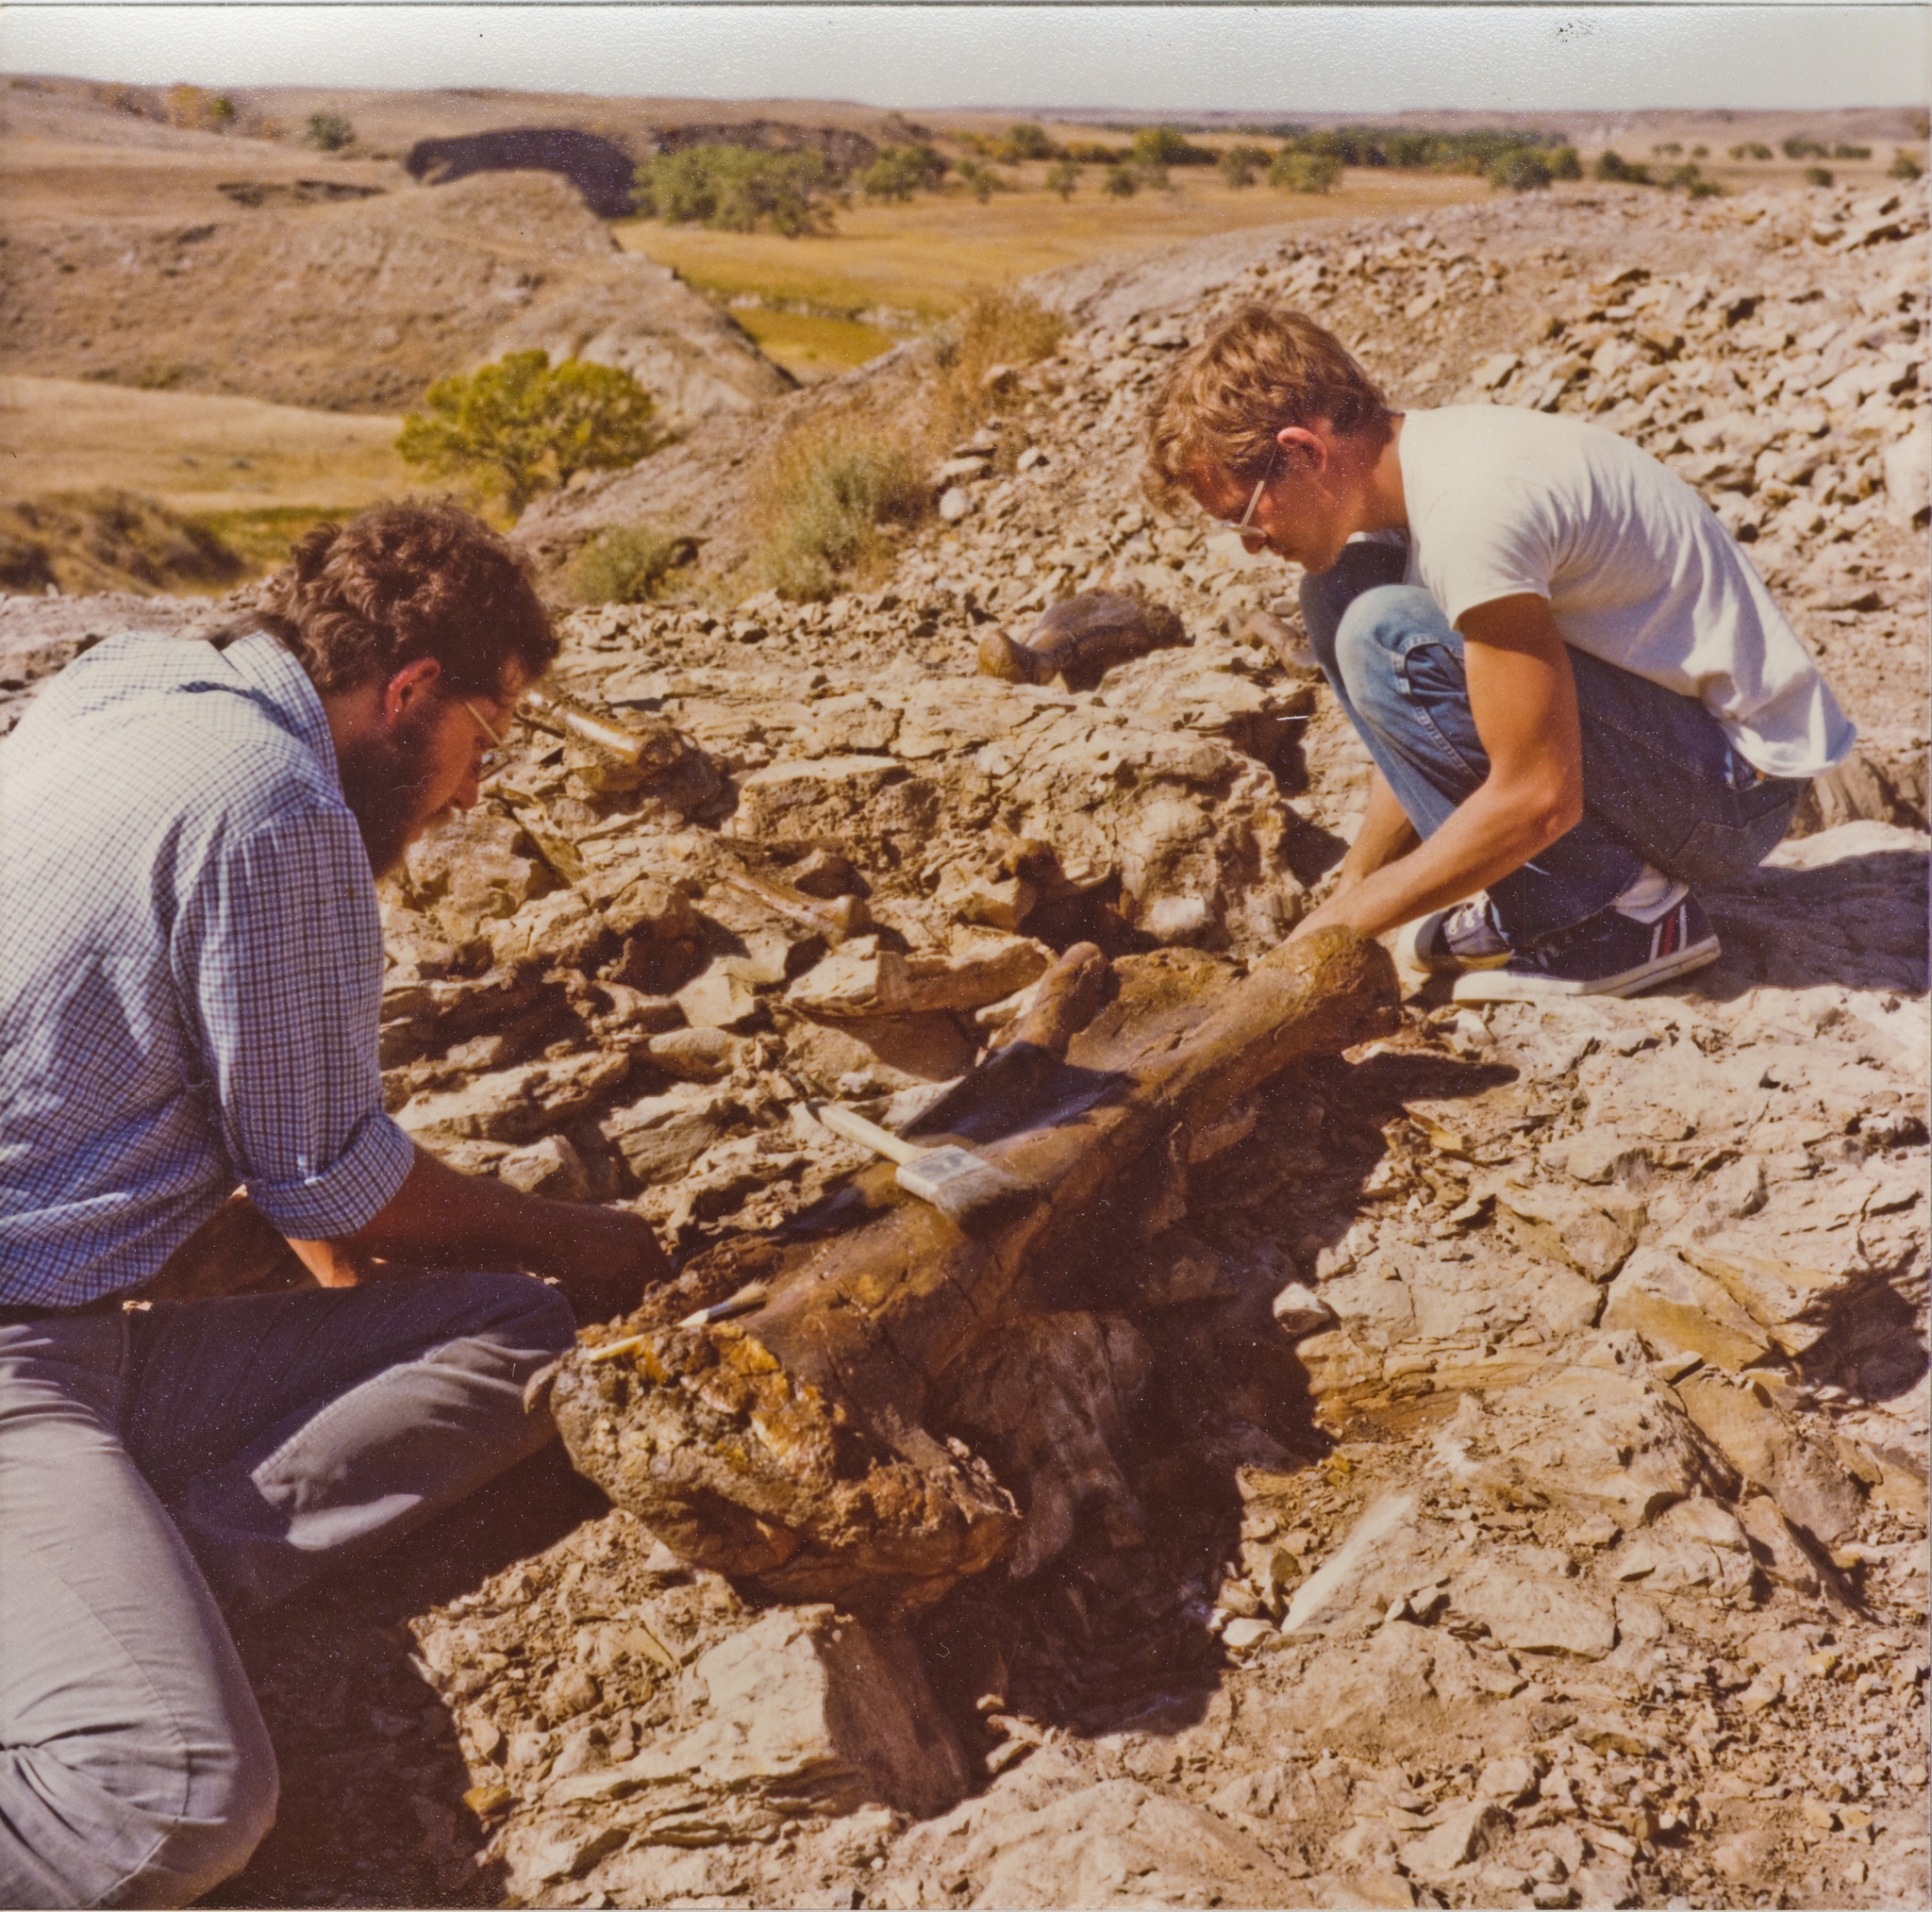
279, 957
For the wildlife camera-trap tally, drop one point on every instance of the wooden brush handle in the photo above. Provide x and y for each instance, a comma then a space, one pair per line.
855, 1128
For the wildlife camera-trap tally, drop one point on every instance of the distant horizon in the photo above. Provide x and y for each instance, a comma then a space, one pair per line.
1271, 61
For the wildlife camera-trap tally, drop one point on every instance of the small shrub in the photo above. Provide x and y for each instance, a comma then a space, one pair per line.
522, 425
1844, 151
329, 132
1904, 166
1002, 327
1120, 183
829, 490
899, 172
1818, 176
1521, 171
1092, 153
198, 109
1165, 146
1612, 165
624, 564
1306, 171
1064, 178
734, 189
1752, 149
1669, 149
1242, 165
1565, 164
1700, 152
982, 181
1025, 142
1799, 147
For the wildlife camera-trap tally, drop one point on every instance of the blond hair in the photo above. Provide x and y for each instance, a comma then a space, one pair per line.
1258, 370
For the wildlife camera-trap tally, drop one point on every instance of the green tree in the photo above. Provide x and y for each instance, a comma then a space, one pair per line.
1799, 147
330, 132
1064, 178
1120, 182
524, 426
1903, 165
734, 189
899, 172
1521, 170
1564, 164
1165, 146
981, 181
1612, 164
1845, 151
1818, 176
1241, 164
1026, 141
1306, 171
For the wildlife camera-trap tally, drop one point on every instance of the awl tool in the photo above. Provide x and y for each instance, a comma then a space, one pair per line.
966, 1189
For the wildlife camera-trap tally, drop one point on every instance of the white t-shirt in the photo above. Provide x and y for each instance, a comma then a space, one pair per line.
1637, 569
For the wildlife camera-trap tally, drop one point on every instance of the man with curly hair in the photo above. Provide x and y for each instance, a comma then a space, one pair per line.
191, 972
1579, 697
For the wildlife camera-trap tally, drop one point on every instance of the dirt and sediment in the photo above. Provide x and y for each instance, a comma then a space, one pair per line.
1503, 1485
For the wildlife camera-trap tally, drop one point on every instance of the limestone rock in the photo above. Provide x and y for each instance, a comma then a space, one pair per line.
1120, 1845
1680, 1310
1769, 1451
515, 1104
807, 1703
1533, 1612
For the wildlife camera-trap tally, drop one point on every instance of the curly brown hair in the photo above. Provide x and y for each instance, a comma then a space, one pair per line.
1263, 368
398, 582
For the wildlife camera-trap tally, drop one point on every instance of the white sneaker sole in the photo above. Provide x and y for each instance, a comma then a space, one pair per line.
1500, 985
1408, 953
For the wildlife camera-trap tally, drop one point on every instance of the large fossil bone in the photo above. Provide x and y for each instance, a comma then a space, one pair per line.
791, 1445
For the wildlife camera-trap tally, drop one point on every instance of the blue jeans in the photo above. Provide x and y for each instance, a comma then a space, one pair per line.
155, 1467
1661, 783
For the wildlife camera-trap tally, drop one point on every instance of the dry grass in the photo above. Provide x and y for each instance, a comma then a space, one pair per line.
836, 488
192, 451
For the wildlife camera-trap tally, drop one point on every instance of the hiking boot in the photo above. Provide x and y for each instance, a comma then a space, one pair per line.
1607, 954
1448, 941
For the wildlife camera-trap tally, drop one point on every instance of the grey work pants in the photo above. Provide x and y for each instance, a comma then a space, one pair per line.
159, 1466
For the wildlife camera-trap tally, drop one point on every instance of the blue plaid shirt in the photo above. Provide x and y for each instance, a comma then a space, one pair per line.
190, 968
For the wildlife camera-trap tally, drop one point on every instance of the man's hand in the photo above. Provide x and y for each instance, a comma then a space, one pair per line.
601, 1259
1524, 702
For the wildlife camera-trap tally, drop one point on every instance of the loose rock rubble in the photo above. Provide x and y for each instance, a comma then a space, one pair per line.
1510, 1483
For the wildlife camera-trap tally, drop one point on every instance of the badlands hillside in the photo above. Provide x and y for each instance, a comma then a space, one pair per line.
1494, 1474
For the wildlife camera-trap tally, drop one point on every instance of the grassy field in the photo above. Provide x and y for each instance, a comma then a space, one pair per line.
192, 451
255, 475
907, 267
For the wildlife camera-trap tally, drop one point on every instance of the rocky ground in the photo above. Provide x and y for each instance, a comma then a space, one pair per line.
1515, 1457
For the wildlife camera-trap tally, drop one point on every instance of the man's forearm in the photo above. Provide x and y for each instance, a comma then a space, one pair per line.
602, 1258
1385, 834
440, 1217
1492, 834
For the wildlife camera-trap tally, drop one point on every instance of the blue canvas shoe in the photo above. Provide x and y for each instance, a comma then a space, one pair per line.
1607, 954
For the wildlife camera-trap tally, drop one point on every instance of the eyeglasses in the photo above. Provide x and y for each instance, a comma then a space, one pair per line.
496, 737
1245, 522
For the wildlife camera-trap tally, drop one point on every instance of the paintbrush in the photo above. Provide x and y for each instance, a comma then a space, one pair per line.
968, 1190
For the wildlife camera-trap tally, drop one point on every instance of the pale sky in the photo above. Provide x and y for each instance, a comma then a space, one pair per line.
1266, 59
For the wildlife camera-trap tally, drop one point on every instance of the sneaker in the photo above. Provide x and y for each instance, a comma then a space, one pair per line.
1448, 941
1607, 954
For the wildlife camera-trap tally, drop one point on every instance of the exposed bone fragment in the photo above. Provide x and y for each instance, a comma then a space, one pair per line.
791, 1446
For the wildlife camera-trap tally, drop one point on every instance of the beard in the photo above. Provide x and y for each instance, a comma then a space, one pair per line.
384, 784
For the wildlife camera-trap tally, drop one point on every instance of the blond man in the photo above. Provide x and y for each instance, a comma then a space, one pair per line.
1579, 697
